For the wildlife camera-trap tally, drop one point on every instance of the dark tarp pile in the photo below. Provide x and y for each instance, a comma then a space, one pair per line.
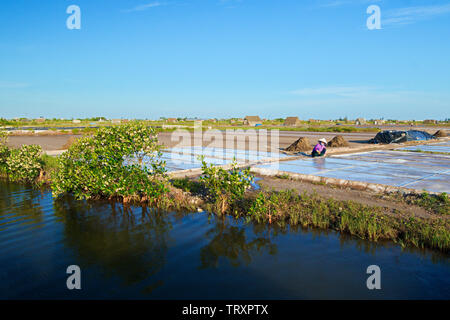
401, 136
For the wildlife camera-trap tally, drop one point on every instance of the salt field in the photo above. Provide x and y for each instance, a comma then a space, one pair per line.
435, 147
188, 158
414, 170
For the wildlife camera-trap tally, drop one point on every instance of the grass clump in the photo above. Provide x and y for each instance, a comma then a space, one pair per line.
50, 164
188, 185
225, 187
283, 176
439, 204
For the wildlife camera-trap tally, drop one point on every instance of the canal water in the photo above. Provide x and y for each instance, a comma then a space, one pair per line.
139, 253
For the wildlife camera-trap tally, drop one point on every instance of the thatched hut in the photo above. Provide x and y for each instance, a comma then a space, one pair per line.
252, 121
292, 121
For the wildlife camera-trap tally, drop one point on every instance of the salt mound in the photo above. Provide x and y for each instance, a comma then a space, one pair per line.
302, 144
440, 134
338, 141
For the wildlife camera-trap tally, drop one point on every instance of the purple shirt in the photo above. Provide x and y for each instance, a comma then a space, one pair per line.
319, 147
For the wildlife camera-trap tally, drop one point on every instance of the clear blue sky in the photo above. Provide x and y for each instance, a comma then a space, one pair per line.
218, 58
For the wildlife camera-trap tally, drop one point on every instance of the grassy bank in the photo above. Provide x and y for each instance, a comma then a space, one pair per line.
308, 210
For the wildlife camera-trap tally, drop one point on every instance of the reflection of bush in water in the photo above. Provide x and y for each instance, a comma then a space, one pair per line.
27, 203
129, 243
231, 242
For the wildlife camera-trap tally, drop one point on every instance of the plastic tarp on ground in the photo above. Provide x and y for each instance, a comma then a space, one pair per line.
392, 136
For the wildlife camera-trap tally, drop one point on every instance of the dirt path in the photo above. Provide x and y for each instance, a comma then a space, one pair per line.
51, 142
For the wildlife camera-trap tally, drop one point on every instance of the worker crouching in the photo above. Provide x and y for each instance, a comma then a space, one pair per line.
320, 149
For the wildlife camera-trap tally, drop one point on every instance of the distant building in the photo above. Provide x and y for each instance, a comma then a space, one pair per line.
313, 120
116, 121
378, 122
429, 121
76, 121
360, 121
292, 121
252, 121
40, 120
172, 120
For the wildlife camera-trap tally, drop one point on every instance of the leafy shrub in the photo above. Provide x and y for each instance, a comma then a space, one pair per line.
24, 164
4, 150
262, 207
110, 163
225, 187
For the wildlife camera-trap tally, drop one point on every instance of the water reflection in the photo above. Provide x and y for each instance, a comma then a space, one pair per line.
20, 204
141, 252
125, 242
233, 244
319, 163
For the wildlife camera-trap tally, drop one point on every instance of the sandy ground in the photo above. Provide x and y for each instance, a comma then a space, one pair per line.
55, 142
364, 197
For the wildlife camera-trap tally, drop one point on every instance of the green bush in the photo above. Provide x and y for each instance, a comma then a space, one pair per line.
24, 164
225, 187
4, 150
110, 164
